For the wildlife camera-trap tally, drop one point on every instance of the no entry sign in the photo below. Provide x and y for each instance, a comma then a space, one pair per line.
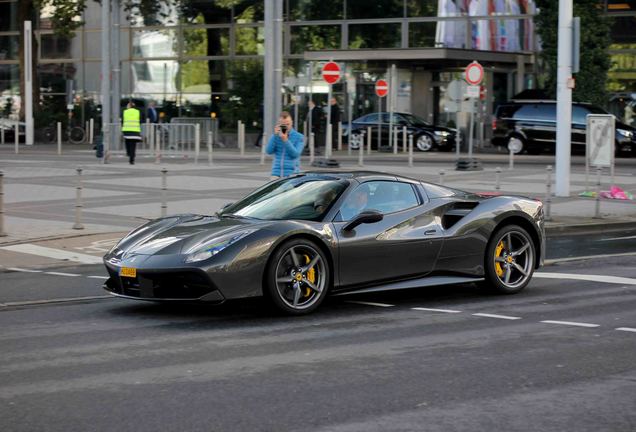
331, 72
474, 73
381, 88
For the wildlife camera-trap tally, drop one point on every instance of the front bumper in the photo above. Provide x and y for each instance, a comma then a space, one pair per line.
188, 284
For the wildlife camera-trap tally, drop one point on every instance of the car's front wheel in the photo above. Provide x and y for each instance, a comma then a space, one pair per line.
298, 277
510, 260
356, 141
424, 142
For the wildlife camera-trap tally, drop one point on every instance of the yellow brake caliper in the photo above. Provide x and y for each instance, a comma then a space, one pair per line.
498, 269
311, 276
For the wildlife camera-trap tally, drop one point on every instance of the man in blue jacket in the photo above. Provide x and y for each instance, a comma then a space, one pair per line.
286, 145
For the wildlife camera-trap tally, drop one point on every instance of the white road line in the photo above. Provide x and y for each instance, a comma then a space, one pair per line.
48, 252
627, 329
17, 269
570, 323
586, 277
371, 303
435, 310
587, 257
97, 277
58, 300
506, 317
62, 274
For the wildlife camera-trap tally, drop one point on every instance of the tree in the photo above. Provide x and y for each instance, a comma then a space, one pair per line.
595, 61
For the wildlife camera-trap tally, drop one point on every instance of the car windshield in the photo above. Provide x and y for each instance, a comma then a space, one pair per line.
299, 198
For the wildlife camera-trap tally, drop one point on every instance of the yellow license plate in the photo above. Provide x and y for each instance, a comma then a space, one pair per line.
128, 272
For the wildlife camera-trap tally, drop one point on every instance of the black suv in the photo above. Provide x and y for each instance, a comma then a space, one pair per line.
533, 125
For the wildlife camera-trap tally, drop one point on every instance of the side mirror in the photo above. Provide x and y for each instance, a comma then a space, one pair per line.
366, 217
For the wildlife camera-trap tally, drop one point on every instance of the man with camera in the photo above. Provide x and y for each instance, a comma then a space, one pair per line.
286, 145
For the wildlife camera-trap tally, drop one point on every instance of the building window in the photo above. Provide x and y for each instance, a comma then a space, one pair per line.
366, 36
312, 38
364, 9
311, 10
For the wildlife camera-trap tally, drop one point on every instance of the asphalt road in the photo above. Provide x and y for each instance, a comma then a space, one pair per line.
361, 363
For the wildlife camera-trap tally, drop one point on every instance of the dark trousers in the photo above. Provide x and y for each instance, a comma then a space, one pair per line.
131, 148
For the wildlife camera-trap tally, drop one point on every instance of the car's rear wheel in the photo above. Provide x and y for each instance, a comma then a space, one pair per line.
424, 142
298, 277
510, 260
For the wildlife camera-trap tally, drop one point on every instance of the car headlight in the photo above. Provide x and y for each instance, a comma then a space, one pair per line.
625, 133
213, 246
442, 133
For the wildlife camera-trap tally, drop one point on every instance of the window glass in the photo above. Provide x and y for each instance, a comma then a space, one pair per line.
308, 10
8, 16
420, 8
579, 114
423, 34
206, 42
312, 38
359, 9
154, 43
250, 40
383, 196
541, 112
397, 119
365, 36
54, 46
371, 118
9, 47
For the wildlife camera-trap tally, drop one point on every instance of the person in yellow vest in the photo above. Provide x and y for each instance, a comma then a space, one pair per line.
131, 129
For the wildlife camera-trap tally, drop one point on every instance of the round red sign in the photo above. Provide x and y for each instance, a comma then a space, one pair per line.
381, 88
331, 72
474, 73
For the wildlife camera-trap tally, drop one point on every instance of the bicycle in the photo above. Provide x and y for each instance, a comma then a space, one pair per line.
73, 135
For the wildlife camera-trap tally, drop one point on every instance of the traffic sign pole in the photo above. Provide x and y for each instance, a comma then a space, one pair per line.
331, 74
381, 90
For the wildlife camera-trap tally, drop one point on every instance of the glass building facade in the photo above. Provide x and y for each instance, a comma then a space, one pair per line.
207, 58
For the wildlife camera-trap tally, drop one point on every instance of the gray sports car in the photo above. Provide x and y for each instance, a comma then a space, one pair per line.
298, 239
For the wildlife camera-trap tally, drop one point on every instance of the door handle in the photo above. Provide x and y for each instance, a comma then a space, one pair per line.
430, 232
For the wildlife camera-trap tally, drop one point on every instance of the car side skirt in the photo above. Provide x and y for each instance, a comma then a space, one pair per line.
415, 283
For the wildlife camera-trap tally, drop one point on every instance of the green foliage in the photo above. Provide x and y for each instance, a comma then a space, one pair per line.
595, 61
245, 98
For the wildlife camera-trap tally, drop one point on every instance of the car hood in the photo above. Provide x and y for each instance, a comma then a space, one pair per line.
180, 233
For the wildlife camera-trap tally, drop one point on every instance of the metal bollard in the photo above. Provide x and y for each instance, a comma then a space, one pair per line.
158, 147
498, 178
17, 137
312, 148
2, 233
164, 189
548, 194
511, 160
59, 138
597, 209
242, 139
2, 136
78, 202
339, 136
368, 140
441, 177
329, 142
210, 161
361, 151
263, 145
91, 129
238, 134
404, 139
410, 148
197, 142
395, 135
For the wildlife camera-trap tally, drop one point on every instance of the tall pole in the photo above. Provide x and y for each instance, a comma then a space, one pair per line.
116, 68
564, 99
391, 100
28, 81
278, 57
268, 74
105, 70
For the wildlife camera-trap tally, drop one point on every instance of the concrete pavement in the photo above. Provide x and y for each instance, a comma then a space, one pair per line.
40, 189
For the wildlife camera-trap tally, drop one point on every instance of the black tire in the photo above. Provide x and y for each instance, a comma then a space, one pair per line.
284, 273
514, 270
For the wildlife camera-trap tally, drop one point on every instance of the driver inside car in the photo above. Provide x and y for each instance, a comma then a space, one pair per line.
355, 203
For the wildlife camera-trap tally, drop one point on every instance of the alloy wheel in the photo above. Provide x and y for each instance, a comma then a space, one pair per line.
301, 277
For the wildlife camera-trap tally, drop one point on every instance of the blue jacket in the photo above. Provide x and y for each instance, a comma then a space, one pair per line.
286, 154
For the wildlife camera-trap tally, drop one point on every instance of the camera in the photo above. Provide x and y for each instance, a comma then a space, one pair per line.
283, 128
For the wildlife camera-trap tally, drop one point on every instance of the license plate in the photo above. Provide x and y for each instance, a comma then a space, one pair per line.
128, 272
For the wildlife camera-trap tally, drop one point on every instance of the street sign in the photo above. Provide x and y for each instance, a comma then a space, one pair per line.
472, 91
474, 73
331, 72
600, 140
381, 88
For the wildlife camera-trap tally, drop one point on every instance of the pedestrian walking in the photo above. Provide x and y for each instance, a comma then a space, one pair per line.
153, 115
286, 145
131, 129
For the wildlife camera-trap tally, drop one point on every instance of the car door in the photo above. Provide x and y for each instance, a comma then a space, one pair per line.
404, 244
538, 123
579, 126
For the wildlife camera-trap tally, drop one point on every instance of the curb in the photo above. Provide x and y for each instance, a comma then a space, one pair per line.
593, 226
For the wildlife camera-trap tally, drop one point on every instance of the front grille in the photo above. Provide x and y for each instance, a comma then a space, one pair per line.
178, 285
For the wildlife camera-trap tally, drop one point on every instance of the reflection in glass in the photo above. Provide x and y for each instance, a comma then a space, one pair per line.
8, 16
357, 9
9, 47
53, 76
250, 40
421, 8
374, 36
54, 46
206, 42
306, 10
156, 78
422, 34
312, 38
154, 43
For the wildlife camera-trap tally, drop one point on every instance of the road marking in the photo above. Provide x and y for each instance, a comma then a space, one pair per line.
586, 277
18, 269
436, 310
570, 323
627, 329
97, 277
587, 257
32, 249
62, 274
496, 316
59, 300
371, 303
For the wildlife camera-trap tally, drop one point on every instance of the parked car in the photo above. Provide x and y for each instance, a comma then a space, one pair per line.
426, 136
531, 126
7, 130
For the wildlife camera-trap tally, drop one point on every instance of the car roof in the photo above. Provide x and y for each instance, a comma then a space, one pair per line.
361, 175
